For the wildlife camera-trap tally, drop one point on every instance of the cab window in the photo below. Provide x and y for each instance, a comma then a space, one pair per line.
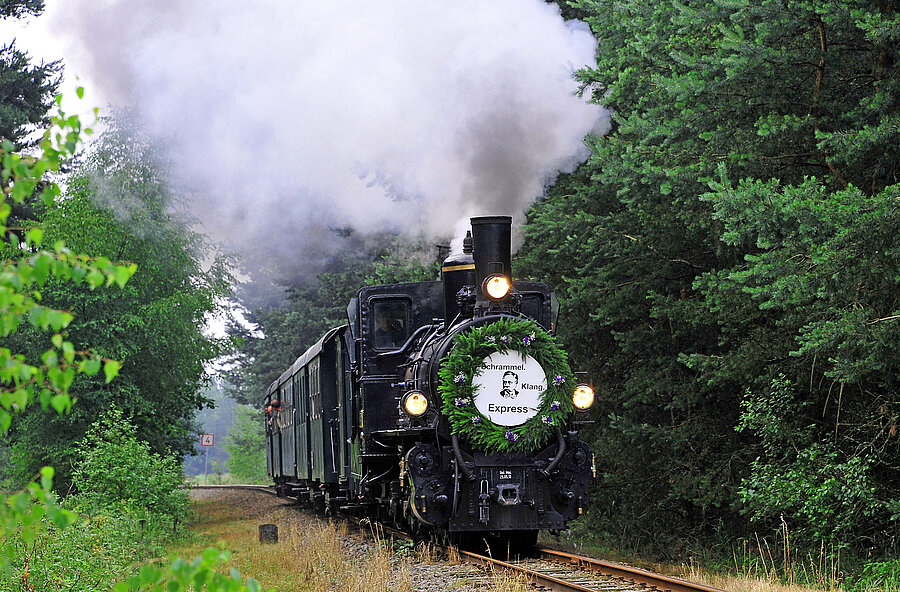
390, 324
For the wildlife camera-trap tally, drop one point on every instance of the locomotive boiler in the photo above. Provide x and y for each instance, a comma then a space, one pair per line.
446, 408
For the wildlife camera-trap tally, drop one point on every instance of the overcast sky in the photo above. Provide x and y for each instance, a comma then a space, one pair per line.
33, 35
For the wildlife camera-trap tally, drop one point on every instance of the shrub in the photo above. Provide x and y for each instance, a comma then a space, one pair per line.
91, 554
878, 575
115, 468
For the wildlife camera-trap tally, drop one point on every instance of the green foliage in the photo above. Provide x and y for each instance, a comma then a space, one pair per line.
30, 521
216, 420
728, 256
20, 8
115, 470
823, 271
90, 553
247, 446
203, 573
877, 575
820, 497
399, 260
806, 484
779, 416
27, 516
825, 264
47, 374
26, 91
118, 205
33, 88
218, 470
45, 547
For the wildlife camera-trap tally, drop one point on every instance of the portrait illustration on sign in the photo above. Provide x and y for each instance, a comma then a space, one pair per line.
510, 388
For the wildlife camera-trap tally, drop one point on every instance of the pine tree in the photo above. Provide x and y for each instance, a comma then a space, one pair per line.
728, 248
26, 90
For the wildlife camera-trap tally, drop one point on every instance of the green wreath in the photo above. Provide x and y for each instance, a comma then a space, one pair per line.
463, 364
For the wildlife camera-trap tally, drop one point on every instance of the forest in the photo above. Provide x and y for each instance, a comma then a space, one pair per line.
727, 260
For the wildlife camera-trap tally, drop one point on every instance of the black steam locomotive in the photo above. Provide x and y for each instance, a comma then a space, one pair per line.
445, 408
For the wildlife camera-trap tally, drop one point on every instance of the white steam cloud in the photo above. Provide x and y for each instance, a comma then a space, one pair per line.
288, 115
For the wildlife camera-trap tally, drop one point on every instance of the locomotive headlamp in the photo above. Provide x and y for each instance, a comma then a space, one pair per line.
415, 403
497, 286
583, 397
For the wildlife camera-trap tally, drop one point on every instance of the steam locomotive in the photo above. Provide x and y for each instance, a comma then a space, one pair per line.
445, 408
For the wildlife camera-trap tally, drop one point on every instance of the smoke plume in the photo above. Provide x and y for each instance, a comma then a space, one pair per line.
286, 116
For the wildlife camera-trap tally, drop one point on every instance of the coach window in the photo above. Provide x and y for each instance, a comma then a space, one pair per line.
390, 323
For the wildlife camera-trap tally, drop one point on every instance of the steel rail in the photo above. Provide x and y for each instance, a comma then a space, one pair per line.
547, 581
263, 488
633, 574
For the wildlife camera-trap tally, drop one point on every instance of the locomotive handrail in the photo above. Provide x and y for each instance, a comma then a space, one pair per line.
559, 455
459, 461
561, 444
408, 343
368, 476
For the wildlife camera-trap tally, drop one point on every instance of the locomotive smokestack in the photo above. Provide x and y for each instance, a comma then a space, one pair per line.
491, 236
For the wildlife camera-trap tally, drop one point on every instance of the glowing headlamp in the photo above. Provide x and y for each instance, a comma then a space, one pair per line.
583, 397
415, 403
497, 286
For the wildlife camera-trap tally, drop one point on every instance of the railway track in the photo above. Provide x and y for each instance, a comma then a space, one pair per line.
546, 569
263, 488
565, 572
554, 570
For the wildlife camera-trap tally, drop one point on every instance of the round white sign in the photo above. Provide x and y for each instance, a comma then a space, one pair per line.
508, 388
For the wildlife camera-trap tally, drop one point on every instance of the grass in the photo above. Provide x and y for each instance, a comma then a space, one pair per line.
764, 564
314, 554
309, 555
91, 554
759, 565
748, 581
